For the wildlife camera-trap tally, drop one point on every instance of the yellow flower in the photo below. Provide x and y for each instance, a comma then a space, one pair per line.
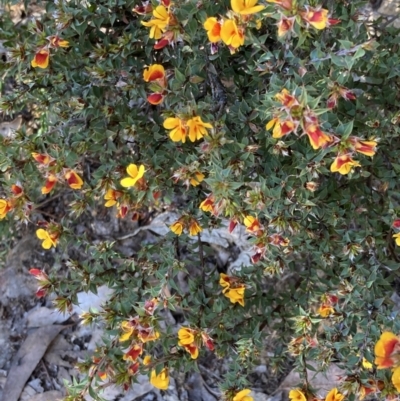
147, 360
334, 395
48, 239
128, 328
317, 18
213, 28
245, 7
236, 295
231, 35
194, 228
197, 179
135, 175
396, 378
297, 395
186, 336
366, 364
252, 224
178, 129
176, 227
387, 350
325, 310
161, 380
197, 128
397, 238
208, 204
343, 164
159, 23
111, 197
243, 395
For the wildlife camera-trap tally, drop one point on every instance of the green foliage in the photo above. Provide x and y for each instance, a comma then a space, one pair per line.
91, 114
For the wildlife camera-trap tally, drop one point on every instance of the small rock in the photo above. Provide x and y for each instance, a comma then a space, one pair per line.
36, 384
47, 396
45, 317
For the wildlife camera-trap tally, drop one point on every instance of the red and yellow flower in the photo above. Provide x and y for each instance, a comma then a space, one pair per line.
252, 225
155, 73
73, 179
387, 351
49, 184
286, 4
208, 204
318, 138
297, 395
233, 288
367, 148
343, 164
325, 310
194, 227
133, 353
318, 18
187, 340
41, 59
334, 395
286, 99
281, 128
155, 98
42, 158
56, 41
197, 178
5, 207
177, 227
285, 25
213, 28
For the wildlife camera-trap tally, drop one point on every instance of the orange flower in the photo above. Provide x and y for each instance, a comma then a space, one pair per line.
155, 99
318, 18
285, 25
325, 310
5, 207
49, 239
231, 35
111, 197
133, 353
334, 395
213, 28
281, 128
49, 184
252, 225
387, 350
178, 129
318, 139
56, 41
287, 100
343, 164
187, 340
41, 59
208, 204
42, 158
155, 72
197, 128
367, 148
246, 7
73, 179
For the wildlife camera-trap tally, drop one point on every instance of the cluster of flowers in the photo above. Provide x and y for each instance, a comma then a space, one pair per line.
163, 25
155, 75
186, 222
7, 205
53, 173
181, 128
191, 340
42, 55
290, 13
135, 178
387, 355
292, 115
231, 30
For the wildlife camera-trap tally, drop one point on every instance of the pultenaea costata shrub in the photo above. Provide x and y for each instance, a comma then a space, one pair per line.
278, 115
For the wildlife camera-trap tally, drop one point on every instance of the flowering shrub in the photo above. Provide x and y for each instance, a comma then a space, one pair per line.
279, 117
